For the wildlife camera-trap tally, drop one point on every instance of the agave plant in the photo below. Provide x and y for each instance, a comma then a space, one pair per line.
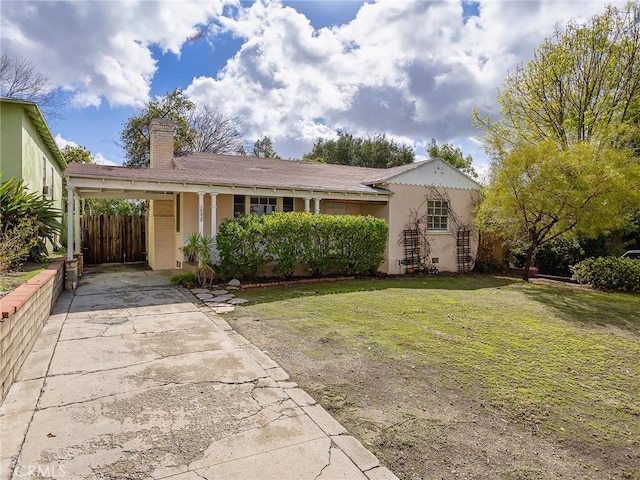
16, 204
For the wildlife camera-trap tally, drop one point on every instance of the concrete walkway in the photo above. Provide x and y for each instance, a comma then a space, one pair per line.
131, 379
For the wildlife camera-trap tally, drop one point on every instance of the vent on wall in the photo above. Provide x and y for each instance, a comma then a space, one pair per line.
46, 190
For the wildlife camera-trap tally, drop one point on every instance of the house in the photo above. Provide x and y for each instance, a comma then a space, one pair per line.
28, 150
195, 193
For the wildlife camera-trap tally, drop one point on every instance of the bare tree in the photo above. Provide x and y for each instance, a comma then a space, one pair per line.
215, 133
20, 79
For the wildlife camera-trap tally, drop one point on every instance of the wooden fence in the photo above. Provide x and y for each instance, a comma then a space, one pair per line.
113, 239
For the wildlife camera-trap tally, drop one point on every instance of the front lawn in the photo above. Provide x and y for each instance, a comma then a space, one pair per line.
560, 362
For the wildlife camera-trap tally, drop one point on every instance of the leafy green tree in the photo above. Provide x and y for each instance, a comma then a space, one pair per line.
373, 152
76, 153
264, 148
135, 133
540, 192
452, 155
583, 83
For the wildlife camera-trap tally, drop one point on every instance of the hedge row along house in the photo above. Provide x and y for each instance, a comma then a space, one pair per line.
428, 205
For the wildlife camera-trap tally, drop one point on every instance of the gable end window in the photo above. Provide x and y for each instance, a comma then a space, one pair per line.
437, 216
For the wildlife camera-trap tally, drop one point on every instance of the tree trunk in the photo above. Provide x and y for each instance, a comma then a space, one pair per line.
527, 263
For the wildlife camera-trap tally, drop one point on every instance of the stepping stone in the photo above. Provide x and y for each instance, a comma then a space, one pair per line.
233, 288
204, 296
225, 309
237, 301
216, 304
234, 283
199, 290
220, 292
222, 298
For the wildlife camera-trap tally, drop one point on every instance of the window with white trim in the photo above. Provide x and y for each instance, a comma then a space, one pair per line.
437, 216
263, 205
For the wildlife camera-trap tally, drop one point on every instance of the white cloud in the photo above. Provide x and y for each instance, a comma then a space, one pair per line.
63, 142
98, 158
100, 50
412, 69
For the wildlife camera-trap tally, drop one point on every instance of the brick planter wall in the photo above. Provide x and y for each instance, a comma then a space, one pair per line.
23, 313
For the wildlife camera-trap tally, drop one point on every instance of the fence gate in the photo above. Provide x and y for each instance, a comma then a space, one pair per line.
113, 239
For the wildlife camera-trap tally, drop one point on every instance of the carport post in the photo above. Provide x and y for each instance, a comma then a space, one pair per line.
70, 222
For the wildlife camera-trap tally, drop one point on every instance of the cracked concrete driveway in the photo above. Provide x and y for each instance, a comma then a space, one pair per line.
132, 378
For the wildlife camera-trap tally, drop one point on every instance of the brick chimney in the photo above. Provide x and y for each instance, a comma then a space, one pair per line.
161, 143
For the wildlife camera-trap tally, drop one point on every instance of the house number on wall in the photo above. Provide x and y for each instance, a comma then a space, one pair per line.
200, 213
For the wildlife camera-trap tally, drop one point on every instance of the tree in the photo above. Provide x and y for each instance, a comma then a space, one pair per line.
215, 133
583, 83
452, 155
264, 148
135, 133
373, 152
540, 192
20, 79
76, 153
197, 129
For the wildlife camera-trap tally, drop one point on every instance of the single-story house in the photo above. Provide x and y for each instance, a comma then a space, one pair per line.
196, 192
28, 150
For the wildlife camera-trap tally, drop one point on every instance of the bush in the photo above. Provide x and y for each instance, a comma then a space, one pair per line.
16, 243
323, 243
609, 273
183, 279
17, 204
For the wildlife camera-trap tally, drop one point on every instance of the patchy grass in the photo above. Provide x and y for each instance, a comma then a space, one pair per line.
559, 359
11, 280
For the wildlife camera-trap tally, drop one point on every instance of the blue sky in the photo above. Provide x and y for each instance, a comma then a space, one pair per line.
293, 70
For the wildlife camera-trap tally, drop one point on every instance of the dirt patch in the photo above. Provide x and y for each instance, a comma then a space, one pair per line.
418, 423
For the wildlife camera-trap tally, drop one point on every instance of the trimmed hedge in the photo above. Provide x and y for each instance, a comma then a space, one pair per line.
347, 244
608, 273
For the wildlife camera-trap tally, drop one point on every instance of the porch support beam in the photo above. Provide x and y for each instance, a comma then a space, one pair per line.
201, 213
214, 214
307, 208
316, 202
76, 226
70, 222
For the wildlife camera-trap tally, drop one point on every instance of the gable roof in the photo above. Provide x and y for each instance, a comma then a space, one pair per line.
208, 170
433, 172
35, 114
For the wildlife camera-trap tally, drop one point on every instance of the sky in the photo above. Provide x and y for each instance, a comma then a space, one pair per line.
295, 71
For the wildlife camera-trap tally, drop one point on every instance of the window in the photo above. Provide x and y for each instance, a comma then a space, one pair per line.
238, 205
287, 204
437, 216
263, 205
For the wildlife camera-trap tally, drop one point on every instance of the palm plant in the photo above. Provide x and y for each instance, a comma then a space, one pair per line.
16, 204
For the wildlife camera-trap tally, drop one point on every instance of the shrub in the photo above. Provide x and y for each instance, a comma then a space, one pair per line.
323, 243
608, 273
17, 204
183, 279
16, 242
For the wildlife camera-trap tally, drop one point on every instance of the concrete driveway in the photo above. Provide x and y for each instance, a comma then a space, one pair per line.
132, 378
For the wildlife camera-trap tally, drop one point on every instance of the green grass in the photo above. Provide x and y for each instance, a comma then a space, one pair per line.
12, 280
560, 359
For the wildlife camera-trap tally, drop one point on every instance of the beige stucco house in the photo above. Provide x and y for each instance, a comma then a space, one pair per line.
29, 151
196, 193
